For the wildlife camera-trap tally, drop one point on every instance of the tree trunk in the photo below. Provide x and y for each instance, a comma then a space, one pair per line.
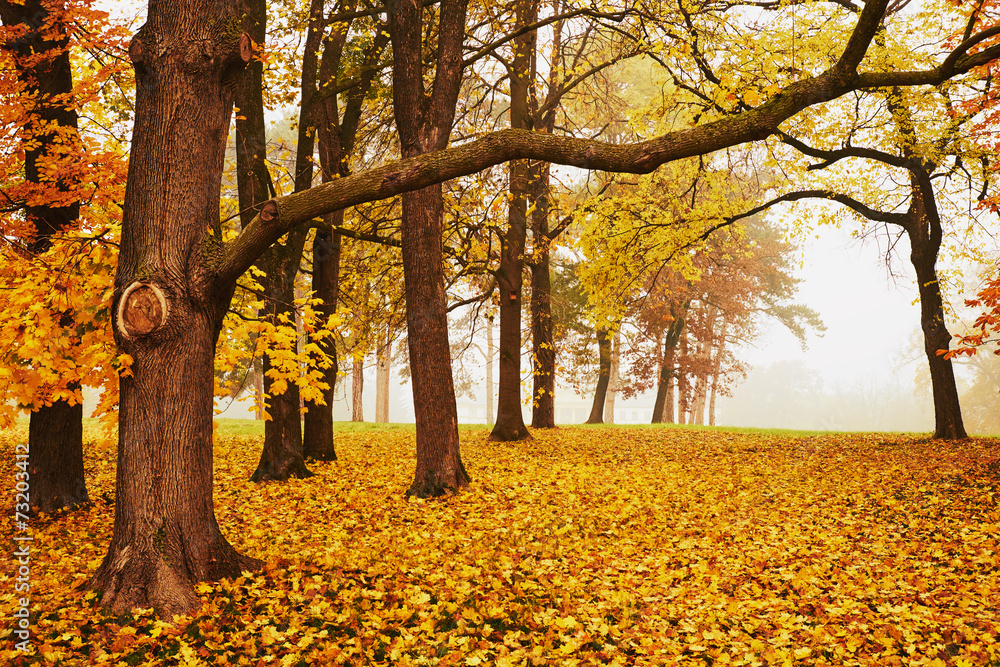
603, 376
660, 404
317, 434
720, 350
383, 357
424, 123
670, 400
169, 307
55, 457
663, 408
439, 464
510, 420
609, 406
337, 137
42, 61
490, 355
542, 336
543, 350
704, 354
357, 390
683, 386
258, 388
283, 454
924, 230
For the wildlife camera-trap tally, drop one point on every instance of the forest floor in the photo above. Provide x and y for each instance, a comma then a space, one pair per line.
585, 546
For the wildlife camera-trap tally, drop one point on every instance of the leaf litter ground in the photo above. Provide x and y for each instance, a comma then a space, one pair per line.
585, 546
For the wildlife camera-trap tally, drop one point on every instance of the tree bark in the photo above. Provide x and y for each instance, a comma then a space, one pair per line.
603, 376
55, 456
439, 464
253, 179
609, 405
165, 533
510, 420
383, 357
42, 61
659, 404
490, 355
337, 136
317, 434
357, 390
283, 454
924, 231
424, 123
543, 350
663, 408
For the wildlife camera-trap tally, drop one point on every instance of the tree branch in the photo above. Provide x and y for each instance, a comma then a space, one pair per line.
830, 157
282, 214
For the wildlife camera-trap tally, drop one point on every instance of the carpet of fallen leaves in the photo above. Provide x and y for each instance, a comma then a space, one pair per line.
585, 546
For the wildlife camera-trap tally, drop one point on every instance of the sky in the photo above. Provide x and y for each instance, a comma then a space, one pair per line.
870, 315
872, 323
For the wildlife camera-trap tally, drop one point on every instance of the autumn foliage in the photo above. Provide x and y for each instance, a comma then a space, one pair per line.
640, 546
60, 290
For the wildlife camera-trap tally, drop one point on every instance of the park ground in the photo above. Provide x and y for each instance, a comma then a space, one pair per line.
586, 546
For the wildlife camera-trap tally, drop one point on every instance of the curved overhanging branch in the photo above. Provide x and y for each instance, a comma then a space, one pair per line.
282, 214
829, 195
831, 157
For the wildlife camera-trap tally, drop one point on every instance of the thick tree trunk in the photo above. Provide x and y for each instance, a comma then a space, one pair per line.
948, 422
424, 122
439, 465
358, 390
55, 457
42, 61
603, 376
383, 360
168, 308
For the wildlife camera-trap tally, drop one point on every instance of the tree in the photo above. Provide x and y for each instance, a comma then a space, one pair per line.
509, 421
176, 274
923, 159
423, 120
169, 305
46, 178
